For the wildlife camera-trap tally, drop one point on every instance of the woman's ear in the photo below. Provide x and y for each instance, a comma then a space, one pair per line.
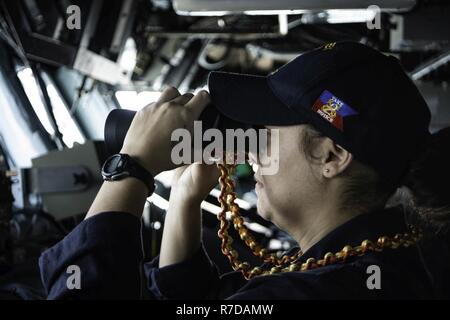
336, 159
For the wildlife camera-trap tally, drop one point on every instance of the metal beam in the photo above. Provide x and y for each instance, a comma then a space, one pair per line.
430, 65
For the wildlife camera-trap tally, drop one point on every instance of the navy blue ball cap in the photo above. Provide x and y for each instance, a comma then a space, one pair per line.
359, 97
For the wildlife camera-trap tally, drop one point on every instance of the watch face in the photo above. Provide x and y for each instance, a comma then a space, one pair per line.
120, 166
114, 166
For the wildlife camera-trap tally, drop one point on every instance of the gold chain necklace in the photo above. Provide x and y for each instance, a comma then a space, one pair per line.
227, 199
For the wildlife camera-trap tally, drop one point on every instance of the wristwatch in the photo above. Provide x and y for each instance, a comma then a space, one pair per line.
121, 166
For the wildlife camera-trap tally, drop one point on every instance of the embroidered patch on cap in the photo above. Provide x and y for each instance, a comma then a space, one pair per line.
333, 109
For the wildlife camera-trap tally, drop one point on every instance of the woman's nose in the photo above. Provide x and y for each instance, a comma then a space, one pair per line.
253, 161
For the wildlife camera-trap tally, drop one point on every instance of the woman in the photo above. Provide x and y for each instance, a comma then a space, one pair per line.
352, 129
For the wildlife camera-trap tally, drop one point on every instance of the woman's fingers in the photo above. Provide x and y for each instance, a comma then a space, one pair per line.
183, 99
198, 103
168, 94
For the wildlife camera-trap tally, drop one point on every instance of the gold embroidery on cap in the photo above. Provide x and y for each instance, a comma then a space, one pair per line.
329, 46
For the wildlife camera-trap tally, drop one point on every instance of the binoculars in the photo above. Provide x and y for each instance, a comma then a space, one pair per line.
119, 120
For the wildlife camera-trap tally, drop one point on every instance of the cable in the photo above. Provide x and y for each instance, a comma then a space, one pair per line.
8, 28
58, 137
203, 60
13, 46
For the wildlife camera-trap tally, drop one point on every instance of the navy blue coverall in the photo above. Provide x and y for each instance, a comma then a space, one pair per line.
107, 249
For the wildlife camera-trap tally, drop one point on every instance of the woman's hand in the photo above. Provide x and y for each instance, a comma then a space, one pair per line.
148, 139
182, 226
148, 142
192, 183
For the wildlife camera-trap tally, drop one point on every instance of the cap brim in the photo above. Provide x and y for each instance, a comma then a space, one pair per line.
249, 99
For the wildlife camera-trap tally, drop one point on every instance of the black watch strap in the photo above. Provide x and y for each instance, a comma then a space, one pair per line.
121, 166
